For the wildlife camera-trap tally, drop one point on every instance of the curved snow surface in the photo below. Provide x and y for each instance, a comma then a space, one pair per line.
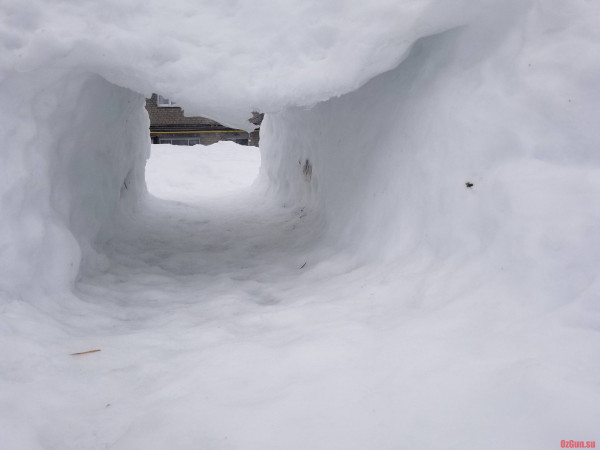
416, 265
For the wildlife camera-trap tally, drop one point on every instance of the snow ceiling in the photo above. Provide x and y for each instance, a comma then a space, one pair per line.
224, 59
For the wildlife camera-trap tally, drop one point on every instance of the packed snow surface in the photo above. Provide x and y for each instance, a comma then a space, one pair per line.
221, 326
416, 263
182, 173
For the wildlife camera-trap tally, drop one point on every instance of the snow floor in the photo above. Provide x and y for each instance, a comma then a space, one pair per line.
223, 324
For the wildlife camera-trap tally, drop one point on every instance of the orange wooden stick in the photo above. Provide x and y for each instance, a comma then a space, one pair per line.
85, 353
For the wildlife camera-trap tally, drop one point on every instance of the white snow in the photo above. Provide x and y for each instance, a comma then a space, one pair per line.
267, 54
199, 172
356, 294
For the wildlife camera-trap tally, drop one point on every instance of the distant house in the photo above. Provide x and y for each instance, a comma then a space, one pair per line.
169, 125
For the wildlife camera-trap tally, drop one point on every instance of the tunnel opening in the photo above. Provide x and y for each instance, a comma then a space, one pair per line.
194, 157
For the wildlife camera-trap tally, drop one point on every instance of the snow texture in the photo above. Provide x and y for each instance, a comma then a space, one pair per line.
182, 173
415, 266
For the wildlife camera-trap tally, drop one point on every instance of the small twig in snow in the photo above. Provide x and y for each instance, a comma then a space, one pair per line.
85, 353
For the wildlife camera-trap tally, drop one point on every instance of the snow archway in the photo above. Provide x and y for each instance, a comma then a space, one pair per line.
484, 104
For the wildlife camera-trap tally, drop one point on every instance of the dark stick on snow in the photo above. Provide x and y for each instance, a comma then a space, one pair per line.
85, 353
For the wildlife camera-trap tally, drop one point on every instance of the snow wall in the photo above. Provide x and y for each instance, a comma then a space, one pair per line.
73, 154
377, 116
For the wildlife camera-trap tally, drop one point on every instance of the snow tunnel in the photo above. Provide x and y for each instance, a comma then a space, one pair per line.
76, 139
429, 167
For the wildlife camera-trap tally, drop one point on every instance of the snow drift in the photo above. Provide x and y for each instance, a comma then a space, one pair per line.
454, 144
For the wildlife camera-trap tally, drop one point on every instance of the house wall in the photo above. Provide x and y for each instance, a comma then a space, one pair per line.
170, 122
173, 115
